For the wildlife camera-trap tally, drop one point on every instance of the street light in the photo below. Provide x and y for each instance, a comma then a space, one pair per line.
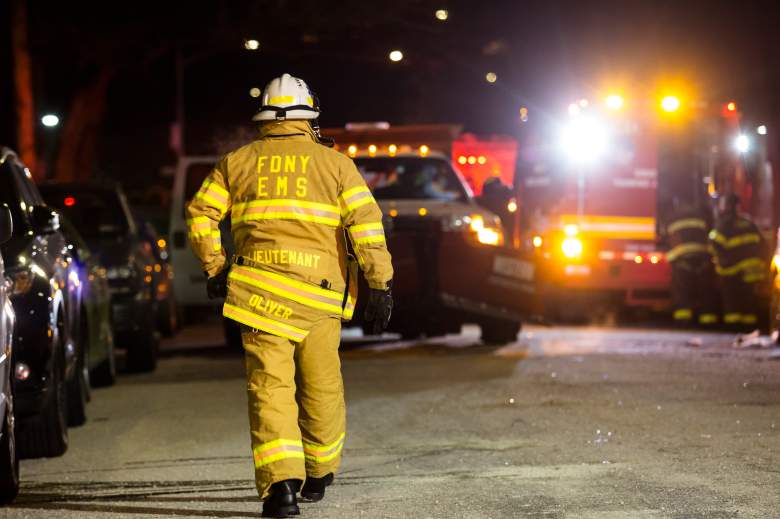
761, 130
491, 77
396, 55
442, 15
50, 120
251, 44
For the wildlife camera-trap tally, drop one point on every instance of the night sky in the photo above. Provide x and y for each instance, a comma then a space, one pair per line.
544, 54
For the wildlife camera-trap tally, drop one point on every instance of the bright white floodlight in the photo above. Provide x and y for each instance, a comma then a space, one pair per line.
584, 140
742, 143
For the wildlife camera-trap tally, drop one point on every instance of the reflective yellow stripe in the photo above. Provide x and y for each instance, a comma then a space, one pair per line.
738, 267
732, 317
708, 318
308, 295
683, 314
323, 453
286, 209
749, 319
349, 308
214, 201
735, 241
686, 248
687, 223
262, 323
367, 233
281, 100
356, 197
198, 220
277, 450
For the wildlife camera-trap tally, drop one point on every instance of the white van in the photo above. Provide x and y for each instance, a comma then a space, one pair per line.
189, 283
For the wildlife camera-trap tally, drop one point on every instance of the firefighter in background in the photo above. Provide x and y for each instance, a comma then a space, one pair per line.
740, 264
693, 276
497, 197
292, 201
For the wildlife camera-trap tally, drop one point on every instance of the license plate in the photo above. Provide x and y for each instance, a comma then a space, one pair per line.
513, 268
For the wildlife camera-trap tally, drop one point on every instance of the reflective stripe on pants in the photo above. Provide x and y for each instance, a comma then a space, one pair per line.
296, 404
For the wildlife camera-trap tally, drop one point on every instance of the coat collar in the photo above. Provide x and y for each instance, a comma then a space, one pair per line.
297, 130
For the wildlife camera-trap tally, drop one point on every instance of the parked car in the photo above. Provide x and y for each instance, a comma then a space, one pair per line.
95, 330
50, 387
100, 212
9, 458
162, 278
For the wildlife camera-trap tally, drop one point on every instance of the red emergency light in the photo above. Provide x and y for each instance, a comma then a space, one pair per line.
69, 201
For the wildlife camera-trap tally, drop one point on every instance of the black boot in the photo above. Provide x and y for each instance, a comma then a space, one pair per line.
314, 488
282, 501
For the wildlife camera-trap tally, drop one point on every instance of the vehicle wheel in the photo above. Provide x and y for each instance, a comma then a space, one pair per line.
104, 374
142, 353
46, 435
78, 388
9, 459
232, 334
499, 332
168, 318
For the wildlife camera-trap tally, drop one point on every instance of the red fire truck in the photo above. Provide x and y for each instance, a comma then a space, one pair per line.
595, 191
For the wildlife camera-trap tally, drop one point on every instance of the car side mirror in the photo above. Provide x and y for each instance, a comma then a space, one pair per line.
6, 224
44, 220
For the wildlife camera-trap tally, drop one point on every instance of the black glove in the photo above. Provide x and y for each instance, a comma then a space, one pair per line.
216, 286
379, 309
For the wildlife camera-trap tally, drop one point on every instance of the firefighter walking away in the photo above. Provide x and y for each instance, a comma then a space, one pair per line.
740, 264
292, 201
693, 278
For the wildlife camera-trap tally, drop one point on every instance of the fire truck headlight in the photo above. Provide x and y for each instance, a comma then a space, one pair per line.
477, 223
742, 143
572, 247
584, 140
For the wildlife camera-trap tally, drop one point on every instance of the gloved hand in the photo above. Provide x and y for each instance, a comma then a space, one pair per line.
216, 286
379, 309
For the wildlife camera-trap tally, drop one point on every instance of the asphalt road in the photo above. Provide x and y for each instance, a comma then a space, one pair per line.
566, 423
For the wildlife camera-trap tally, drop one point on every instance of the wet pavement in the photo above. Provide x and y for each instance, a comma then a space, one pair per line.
564, 423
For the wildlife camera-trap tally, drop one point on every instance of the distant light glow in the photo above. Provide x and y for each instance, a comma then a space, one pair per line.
761, 130
372, 150
50, 120
571, 230
424, 150
481, 159
524, 114
396, 55
572, 247
251, 44
392, 150
583, 103
472, 159
670, 104
352, 150
255, 92
731, 106
422, 211
614, 102
161, 243
491, 77
742, 143
574, 109
69, 201
442, 15
512, 206
537, 241
654, 259
462, 159
638, 259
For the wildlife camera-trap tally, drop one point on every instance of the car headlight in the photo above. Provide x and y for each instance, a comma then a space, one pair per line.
487, 234
571, 247
122, 272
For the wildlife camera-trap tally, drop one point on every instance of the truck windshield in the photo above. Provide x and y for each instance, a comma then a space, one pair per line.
399, 178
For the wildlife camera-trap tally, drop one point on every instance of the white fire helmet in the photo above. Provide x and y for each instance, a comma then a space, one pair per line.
287, 97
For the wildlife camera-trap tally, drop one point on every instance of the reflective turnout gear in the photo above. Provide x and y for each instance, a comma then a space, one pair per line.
740, 265
287, 97
293, 204
289, 200
297, 416
693, 279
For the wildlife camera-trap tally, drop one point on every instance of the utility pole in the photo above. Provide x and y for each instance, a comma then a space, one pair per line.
25, 107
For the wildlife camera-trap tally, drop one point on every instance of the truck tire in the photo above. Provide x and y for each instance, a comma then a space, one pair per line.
142, 353
232, 332
497, 332
46, 434
9, 460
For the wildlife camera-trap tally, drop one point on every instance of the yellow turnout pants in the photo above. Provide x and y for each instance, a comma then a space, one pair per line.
296, 404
